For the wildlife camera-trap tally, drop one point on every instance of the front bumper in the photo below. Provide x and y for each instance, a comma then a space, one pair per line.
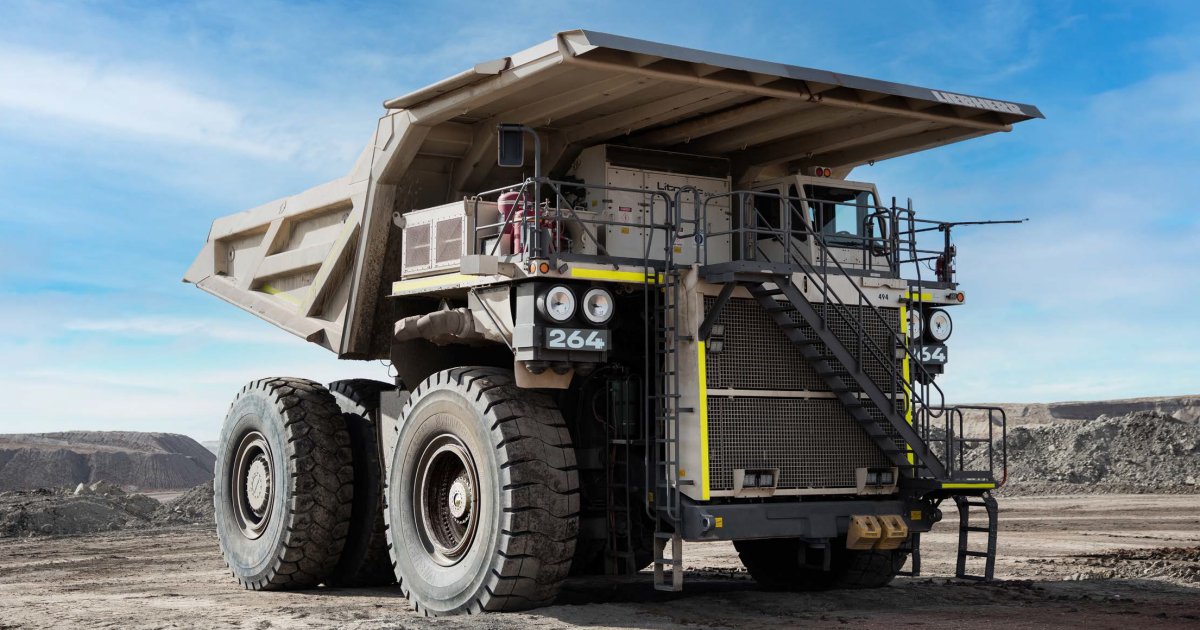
812, 520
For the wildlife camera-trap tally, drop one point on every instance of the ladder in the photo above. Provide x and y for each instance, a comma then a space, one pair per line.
663, 347
619, 555
965, 529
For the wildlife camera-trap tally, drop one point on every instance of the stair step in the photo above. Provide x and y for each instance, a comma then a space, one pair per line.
975, 554
762, 290
979, 529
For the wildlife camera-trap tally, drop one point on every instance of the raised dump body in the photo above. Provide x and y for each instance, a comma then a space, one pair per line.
671, 316
319, 263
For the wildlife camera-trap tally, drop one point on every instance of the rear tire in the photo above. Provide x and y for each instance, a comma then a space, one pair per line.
775, 563
365, 560
483, 495
284, 485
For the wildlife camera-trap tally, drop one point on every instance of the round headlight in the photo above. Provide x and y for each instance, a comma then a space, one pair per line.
598, 305
940, 325
558, 303
916, 325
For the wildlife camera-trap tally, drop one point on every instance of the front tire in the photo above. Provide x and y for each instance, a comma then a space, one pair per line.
483, 495
284, 485
776, 564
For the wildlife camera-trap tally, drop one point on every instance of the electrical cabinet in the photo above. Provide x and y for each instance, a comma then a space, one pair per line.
631, 215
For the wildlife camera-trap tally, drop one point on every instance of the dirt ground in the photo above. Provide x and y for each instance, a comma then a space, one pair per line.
1101, 561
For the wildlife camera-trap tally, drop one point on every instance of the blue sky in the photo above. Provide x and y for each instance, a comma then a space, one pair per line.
125, 128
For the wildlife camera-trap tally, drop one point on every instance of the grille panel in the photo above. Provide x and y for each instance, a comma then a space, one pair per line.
758, 355
812, 441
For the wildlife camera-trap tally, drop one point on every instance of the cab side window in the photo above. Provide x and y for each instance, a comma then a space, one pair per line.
799, 221
766, 211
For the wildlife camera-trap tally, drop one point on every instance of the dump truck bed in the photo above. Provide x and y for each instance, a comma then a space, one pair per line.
318, 264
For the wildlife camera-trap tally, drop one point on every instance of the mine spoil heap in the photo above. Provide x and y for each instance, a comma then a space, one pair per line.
96, 507
1143, 451
142, 461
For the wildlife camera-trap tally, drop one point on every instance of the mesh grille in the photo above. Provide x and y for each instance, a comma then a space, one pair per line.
758, 355
813, 442
416, 246
449, 236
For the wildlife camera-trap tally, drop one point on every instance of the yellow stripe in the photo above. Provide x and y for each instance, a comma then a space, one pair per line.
703, 423
969, 486
608, 274
907, 373
270, 290
430, 282
924, 297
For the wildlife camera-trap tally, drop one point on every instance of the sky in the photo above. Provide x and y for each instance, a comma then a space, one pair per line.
127, 127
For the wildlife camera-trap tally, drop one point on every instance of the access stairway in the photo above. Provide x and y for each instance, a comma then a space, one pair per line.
897, 419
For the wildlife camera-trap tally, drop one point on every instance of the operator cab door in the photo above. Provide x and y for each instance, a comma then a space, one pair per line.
847, 219
777, 225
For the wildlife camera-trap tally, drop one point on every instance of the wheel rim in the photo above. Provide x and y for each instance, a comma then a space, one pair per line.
252, 484
446, 499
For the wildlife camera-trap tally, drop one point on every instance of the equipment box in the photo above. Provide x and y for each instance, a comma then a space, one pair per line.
436, 239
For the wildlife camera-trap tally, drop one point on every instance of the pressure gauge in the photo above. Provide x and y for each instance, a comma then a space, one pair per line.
916, 325
940, 325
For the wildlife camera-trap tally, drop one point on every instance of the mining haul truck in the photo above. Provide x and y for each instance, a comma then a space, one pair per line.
629, 296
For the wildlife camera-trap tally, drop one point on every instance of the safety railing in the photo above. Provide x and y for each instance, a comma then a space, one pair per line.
922, 398
560, 227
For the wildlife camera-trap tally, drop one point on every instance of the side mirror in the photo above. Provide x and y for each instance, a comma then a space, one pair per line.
511, 146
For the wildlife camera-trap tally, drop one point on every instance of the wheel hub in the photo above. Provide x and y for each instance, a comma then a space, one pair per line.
257, 480
444, 500
460, 497
251, 486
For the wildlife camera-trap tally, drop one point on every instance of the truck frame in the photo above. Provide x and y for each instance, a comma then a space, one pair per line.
629, 298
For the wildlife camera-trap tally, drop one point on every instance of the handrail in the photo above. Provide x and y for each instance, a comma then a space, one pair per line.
913, 399
898, 246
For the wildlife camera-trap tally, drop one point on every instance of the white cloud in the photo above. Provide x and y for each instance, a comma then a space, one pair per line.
114, 97
167, 326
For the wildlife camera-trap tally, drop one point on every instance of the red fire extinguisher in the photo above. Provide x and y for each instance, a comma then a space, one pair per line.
514, 208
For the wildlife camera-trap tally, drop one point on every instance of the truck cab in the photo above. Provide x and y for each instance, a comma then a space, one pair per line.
846, 215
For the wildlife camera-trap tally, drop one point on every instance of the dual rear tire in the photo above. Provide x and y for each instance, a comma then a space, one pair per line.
284, 485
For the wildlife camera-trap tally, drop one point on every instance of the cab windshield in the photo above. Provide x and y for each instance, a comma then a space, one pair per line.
840, 214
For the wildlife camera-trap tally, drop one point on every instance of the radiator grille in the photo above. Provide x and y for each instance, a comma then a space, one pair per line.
758, 355
812, 441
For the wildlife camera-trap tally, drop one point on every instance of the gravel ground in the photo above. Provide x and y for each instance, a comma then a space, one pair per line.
1099, 561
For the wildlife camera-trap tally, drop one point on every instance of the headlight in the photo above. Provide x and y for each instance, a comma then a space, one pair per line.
915, 324
558, 303
940, 325
598, 305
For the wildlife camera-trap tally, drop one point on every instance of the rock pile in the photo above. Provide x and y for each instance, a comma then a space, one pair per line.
62, 512
141, 461
98, 507
1144, 451
193, 506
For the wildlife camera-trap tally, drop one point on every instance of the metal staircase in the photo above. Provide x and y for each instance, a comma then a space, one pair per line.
862, 395
894, 411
